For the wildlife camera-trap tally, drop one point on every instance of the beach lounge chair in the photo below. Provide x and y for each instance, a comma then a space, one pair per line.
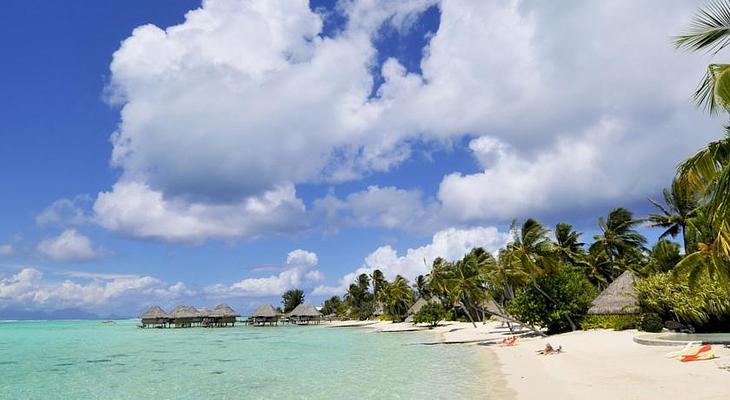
703, 352
686, 350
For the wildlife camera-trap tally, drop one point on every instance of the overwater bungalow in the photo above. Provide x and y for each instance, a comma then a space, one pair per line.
305, 313
221, 315
185, 316
155, 317
265, 314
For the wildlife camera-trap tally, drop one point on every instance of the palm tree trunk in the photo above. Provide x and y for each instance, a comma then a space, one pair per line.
509, 319
466, 311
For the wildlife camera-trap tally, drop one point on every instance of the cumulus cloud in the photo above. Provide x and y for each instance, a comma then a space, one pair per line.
450, 244
66, 212
245, 99
69, 246
297, 273
29, 288
135, 209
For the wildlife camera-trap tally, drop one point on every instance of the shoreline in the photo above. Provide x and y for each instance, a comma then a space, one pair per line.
595, 364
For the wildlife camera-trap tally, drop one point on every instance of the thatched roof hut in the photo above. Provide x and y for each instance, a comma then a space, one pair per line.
304, 313
416, 307
224, 310
154, 312
265, 311
263, 314
155, 316
618, 298
185, 316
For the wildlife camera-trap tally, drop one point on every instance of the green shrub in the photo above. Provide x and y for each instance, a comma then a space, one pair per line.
615, 322
650, 322
571, 293
706, 303
431, 313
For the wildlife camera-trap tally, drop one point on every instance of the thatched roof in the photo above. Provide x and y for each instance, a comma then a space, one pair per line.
490, 306
416, 307
154, 312
185, 312
618, 298
224, 310
305, 310
379, 308
265, 311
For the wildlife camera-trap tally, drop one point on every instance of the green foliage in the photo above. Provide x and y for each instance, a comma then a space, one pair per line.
615, 322
571, 294
397, 297
359, 298
431, 313
672, 297
663, 257
335, 306
619, 246
291, 299
650, 322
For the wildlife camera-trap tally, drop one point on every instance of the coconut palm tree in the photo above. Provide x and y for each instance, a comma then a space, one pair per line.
568, 246
674, 215
398, 298
379, 283
531, 247
708, 171
706, 259
422, 288
618, 241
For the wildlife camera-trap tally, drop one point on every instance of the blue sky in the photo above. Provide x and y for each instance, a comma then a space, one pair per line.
154, 154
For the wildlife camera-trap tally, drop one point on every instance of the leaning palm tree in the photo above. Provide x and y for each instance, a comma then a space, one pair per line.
708, 171
679, 207
619, 242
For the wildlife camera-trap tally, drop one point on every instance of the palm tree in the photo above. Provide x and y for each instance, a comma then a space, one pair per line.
379, 283
422, 288
618, 241
398, 298
568, 246
678, 209
708, 171
706, 260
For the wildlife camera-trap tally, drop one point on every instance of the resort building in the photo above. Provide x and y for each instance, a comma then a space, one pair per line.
221, 315
155, 317
264, 314
305, 313
619, 298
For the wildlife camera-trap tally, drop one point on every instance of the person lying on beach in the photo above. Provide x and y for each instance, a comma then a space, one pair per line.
550, 350
510, 341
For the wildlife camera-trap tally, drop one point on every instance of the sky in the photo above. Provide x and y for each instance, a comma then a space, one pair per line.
179, 152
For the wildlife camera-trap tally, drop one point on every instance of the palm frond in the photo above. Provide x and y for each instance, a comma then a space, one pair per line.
709, 30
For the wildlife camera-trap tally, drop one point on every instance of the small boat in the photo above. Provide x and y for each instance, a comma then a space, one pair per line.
107, 322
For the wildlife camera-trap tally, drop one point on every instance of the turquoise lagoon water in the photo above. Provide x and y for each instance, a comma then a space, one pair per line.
90, 360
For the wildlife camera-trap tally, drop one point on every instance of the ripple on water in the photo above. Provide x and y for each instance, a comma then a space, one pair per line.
101, 360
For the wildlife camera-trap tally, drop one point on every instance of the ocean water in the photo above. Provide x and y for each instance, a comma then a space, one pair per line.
90, 360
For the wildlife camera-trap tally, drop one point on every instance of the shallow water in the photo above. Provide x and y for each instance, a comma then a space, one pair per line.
90, 360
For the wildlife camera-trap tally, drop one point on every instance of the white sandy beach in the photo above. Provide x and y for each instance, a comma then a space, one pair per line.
596, 364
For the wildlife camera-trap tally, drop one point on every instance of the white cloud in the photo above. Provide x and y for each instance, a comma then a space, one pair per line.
245, 98
69, 246
65, 212
30, 289
450, 244
298, 272
135, 209
6, 249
